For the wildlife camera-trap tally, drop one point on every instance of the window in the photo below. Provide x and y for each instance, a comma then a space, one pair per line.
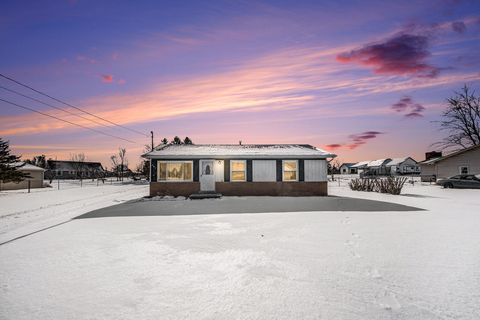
290, 170
464, 170
238, 170
175, 170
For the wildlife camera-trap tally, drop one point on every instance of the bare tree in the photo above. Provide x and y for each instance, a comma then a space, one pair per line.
123, 161
461, 120
114, 160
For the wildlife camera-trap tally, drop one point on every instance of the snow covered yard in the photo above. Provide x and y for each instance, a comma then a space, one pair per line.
288, 265
22, 213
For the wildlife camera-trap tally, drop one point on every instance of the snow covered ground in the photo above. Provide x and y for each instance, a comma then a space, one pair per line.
22, 213
297, 265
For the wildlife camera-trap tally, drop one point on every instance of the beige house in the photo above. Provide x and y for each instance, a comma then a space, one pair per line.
466, 161
36, 180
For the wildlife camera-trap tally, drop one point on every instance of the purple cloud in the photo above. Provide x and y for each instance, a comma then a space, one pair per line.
356, 140
406, 104
404, 54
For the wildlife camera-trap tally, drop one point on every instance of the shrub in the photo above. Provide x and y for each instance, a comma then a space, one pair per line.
362, 184
391, 185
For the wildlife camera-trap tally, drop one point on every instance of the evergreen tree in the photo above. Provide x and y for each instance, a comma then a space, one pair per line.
177, 140
8, 170
187, 140
165, 141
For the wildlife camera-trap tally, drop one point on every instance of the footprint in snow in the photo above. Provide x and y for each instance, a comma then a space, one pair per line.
388, 301
375, 274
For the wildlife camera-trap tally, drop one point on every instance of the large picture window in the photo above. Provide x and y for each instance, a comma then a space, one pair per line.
238, 170
290, 170
175, 170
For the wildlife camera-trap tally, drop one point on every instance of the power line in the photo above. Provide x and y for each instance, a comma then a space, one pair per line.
72, 106
69, 122
52, 106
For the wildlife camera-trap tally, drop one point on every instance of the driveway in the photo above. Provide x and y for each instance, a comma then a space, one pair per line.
227, 205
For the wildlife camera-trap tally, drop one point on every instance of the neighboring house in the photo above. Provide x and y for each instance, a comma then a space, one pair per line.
360, 166
239, 170
377, 167
36, 180
400, 166
61, 169
347, 168
466, 161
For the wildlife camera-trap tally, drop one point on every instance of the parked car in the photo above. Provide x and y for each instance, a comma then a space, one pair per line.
461, 181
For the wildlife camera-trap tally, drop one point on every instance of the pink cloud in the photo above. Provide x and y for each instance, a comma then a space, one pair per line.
403, 54
333, 146
107, 78
121, 82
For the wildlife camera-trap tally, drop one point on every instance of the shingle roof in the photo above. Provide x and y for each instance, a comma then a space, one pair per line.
229, 151
22, 166
397, 161
348, 164
360, 164
377, 163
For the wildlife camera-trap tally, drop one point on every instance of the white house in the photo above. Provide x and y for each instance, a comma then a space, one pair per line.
405, 165
347, 168
35, 180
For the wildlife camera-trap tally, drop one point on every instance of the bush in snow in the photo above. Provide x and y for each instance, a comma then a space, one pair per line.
391, 185
362, 184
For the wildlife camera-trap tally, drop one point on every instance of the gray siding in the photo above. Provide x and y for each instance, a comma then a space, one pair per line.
451, 166
264, 170
315, 170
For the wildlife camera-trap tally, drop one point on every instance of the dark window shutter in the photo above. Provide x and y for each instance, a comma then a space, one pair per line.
249, 170
226, 172
301, 170
196, 170
279, 170
153, 168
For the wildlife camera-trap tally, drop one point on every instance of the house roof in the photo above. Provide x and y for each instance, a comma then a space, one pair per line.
360, 164
22, 166
398, 161
230, 151
70, 165
377, 163
348, 164
453, 154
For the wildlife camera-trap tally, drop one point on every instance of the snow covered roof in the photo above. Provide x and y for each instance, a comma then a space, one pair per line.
22, 166
377, 163
398, 161
230, 151
347, 164
360, 164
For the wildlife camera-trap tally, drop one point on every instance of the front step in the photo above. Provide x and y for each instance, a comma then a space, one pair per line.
205, 195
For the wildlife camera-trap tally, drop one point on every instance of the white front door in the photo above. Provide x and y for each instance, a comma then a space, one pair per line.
207, 175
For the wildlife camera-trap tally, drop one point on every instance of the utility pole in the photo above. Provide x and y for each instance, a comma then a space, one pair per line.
151, 133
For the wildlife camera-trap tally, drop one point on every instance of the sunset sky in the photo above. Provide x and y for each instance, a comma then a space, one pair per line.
364, 79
